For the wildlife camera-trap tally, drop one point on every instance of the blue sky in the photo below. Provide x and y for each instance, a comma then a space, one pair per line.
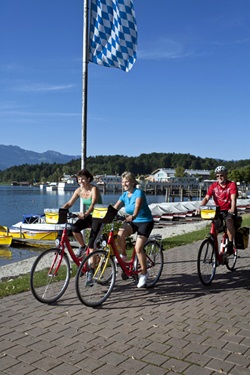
188, 92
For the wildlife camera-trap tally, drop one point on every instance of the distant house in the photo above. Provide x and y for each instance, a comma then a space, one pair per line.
168, 174
161, 175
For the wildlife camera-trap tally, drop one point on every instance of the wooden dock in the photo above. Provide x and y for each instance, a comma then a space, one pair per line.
37, 243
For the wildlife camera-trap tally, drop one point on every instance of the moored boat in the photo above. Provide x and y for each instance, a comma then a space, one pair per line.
37, 227
32, 227
5, 240
38, 235
51, 187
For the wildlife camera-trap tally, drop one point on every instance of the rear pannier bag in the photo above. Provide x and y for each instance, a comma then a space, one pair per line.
241, 238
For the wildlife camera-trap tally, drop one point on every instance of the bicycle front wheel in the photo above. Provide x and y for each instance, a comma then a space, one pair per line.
206, 262
154, 259
95, 278
50, 275
231, 260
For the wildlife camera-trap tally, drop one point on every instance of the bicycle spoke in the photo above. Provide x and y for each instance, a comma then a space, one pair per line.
154, 256
206, 262
95, 278
50, 275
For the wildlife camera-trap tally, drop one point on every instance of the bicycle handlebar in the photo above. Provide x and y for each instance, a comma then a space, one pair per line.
71, 215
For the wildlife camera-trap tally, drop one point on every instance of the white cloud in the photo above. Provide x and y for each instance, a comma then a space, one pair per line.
163, 49
38, 87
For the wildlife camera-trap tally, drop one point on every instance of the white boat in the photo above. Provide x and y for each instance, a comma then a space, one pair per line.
38, 227
42, 186
35, 223
40, 223
67, 183
108, 182
52, 186
67, 186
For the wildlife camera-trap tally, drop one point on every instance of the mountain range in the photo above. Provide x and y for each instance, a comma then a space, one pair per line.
13, 155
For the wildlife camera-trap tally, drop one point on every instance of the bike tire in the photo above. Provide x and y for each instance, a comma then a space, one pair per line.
103, 279
49, 276
231, 260
206, 262
155, 261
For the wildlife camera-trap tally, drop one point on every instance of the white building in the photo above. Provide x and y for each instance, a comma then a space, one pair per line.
168, 174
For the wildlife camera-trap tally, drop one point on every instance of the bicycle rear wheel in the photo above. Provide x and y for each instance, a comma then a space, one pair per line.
49, 276
206, 262
96, 292
231, 260
154, 259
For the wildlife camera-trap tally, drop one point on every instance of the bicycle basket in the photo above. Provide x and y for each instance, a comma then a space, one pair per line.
55, 215
104, 214
209, 212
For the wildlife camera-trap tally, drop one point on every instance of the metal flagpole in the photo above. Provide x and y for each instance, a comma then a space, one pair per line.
85, 61
85, 81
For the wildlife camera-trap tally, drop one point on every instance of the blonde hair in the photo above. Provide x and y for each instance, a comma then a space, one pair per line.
131, 177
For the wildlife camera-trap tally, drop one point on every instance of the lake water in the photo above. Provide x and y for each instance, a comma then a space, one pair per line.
17, 201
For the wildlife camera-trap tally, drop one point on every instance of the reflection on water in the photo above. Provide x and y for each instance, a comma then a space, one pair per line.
16, 254
5, 253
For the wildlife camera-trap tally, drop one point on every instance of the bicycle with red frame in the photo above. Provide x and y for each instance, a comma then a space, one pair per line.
51, 271
210, 254
102, 265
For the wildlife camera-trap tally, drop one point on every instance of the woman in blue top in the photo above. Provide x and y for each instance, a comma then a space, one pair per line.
139, 219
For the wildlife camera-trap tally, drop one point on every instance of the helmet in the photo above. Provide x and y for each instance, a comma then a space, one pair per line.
220, 168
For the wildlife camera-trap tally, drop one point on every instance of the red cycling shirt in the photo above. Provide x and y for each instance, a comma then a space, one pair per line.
222, 194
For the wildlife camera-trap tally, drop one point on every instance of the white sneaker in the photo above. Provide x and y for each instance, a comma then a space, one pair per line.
142, 281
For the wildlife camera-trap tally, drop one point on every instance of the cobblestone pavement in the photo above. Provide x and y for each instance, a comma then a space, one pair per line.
178, 327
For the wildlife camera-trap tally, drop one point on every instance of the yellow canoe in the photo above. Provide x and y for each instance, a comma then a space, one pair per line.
5, 240
29, 235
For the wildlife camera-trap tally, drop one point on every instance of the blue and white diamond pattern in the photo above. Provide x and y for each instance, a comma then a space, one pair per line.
113, 34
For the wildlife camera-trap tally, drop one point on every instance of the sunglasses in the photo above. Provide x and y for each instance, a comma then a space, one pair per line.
219, 175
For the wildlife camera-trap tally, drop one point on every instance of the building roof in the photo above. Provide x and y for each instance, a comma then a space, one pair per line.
191, 172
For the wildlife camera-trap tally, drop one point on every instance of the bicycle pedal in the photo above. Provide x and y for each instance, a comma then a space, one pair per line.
124, 276
135, 278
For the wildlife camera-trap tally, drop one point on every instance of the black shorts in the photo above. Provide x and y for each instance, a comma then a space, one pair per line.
223, 217
142, 229
81, 224
87, 222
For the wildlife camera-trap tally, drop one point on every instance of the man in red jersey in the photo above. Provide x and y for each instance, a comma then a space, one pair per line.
224, 194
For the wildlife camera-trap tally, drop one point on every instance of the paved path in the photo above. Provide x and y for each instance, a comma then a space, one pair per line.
179, 327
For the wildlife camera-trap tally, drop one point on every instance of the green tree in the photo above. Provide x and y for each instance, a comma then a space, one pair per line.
235, 175
179, 171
